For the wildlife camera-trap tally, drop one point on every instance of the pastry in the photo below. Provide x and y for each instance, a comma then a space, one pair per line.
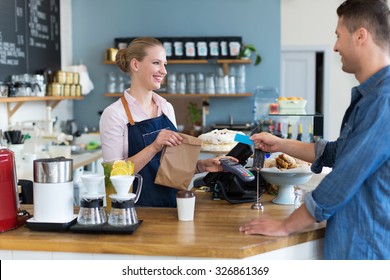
220, 140
284, 161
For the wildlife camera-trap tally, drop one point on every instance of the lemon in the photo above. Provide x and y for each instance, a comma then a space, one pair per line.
122, 167
130, 167
119, 171
119, 163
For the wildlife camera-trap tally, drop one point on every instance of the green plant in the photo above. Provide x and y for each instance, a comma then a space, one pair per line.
194, 113
246, 52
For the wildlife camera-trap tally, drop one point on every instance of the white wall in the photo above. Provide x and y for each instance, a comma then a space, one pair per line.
307, 23
33, 111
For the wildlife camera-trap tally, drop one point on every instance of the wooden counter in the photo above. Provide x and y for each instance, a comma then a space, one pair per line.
86, 158
213, 234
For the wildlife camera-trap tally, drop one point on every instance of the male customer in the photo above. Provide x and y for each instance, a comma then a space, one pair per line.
355, 197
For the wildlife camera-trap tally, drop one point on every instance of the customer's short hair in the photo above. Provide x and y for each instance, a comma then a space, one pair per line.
373, 15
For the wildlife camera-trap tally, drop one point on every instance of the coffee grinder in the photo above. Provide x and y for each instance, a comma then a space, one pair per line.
53, 190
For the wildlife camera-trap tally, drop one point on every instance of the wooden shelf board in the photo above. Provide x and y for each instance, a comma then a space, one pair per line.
200, 61
36, 98
190, 95
51, 101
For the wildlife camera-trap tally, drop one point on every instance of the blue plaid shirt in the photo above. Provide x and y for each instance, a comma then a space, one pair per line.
355, 197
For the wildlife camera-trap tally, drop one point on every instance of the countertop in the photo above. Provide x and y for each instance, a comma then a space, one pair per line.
80, 160
213, 233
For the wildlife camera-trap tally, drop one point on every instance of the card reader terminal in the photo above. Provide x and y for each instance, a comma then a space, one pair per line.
237, 169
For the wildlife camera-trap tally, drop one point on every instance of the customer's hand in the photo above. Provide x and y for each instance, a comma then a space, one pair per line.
265, 226
211, 164
266, 142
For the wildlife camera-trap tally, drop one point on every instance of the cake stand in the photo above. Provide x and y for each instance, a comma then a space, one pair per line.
286, 181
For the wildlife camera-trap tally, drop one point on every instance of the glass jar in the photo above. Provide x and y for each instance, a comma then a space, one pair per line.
3, 90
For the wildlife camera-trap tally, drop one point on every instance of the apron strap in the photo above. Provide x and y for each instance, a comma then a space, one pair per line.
129, 116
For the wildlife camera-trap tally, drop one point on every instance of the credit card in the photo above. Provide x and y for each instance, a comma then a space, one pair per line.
243, 139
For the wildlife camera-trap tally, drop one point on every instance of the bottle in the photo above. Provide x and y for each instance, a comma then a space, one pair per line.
289, 131
311, 136
279, 131
271, 127
299, 137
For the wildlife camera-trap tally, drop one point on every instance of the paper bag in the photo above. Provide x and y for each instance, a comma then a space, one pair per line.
178, 163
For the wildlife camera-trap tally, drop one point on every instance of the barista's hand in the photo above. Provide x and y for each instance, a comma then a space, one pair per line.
266, 142
167, 137
211, 164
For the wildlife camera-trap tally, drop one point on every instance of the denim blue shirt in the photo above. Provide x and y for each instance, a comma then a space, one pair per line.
354, 197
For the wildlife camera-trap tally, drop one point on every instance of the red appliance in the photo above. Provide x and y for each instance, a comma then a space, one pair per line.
8, 190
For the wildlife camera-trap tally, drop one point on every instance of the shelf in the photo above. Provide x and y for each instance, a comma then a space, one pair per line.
190, 95
297, 115
200, 61
51, 101
225, 62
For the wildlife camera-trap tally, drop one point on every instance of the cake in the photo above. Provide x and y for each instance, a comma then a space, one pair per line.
219, 140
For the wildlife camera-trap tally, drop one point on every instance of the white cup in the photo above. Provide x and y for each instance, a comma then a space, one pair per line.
185, 205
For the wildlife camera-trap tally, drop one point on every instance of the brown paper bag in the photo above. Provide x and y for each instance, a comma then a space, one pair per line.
178, 164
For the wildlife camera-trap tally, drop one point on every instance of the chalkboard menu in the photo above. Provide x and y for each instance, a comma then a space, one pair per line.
29, 36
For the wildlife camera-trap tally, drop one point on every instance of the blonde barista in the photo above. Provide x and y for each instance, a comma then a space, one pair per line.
141, 123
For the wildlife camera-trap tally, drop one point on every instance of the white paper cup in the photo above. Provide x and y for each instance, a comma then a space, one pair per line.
185, 205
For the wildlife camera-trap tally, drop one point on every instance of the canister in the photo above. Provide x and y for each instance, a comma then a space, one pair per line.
55, 89
111, 54
61, 77
76, 78
69, 78
72, 90
66, 90
78, 90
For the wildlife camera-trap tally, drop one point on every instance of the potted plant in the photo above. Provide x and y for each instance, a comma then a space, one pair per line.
246, 52
195, 118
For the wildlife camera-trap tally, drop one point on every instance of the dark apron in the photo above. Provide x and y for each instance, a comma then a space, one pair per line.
140, 135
